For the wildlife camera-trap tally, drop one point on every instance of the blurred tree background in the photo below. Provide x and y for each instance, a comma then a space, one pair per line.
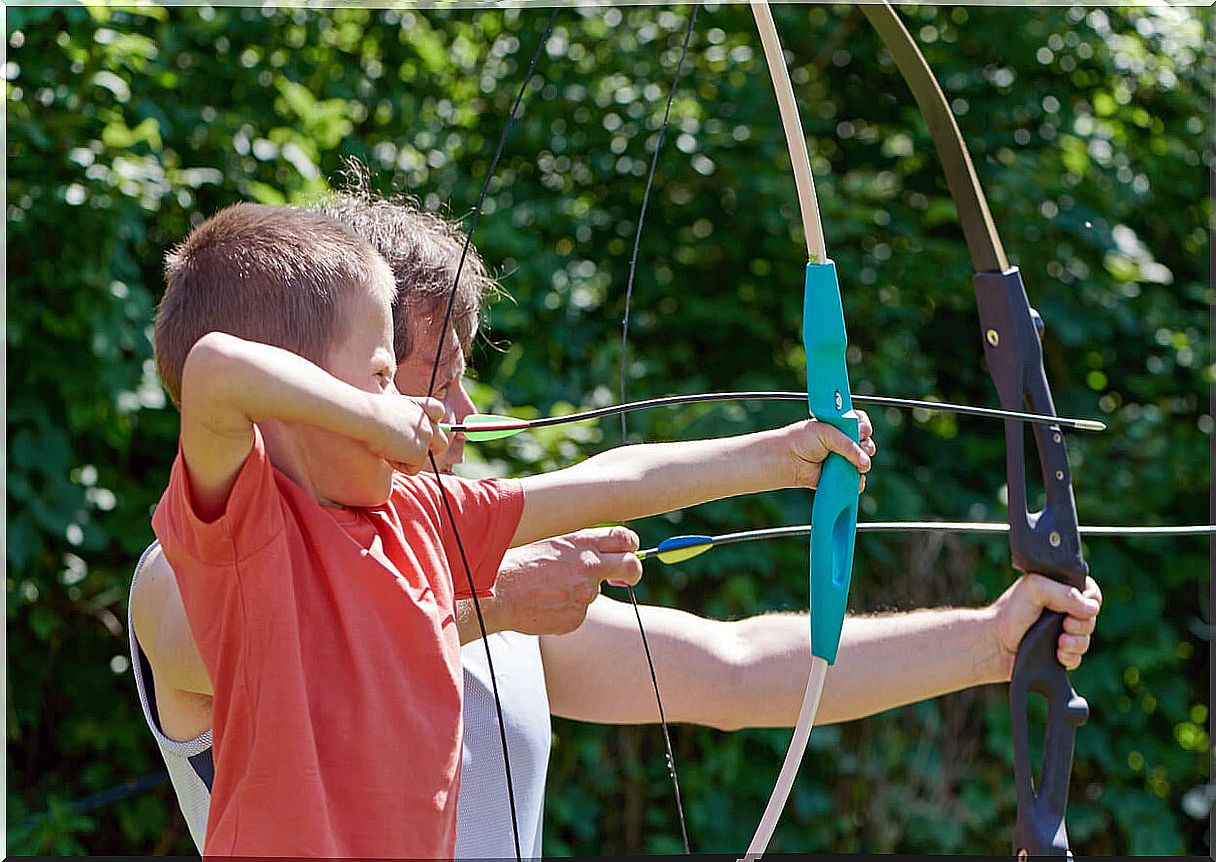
1090, 131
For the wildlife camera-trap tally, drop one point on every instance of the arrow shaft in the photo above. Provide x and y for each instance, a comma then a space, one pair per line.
987, 412
943, 527
761, 395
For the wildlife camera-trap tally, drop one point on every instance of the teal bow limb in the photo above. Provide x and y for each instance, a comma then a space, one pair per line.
834, 510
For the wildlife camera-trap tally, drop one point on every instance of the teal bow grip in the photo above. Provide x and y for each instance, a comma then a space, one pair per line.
834, 510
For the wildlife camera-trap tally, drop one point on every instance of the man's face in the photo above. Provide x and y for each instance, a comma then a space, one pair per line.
414, 373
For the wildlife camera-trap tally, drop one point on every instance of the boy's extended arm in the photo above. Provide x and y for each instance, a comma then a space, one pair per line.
638, 481
229, 383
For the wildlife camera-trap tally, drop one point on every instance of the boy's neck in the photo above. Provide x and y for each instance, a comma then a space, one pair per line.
286, 451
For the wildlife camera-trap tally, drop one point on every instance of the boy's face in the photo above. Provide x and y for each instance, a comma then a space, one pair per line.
343, 470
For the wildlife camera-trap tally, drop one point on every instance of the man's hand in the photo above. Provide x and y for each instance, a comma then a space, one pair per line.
1020, 605
545, 588
814, 441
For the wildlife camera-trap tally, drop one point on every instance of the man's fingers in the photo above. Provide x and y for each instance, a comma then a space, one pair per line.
864, 427
608, 540
1079, 626
835, 440
1071, 649
1092, 590
626, 570
1070, 662
1056, 596
607, 554
865, 430
1076, 645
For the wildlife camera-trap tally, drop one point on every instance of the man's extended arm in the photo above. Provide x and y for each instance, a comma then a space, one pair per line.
752, 672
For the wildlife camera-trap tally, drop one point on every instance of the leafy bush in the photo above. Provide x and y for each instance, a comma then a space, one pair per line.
1088, 128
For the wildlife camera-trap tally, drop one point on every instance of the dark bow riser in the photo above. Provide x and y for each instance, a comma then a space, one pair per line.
1047, 542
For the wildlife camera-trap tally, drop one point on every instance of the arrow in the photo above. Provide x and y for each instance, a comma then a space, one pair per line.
677, 549
480, 427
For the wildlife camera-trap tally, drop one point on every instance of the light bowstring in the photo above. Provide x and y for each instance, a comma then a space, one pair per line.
447, 504
633, 263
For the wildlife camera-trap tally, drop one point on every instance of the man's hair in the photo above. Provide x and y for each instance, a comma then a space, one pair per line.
263, 273
423, 250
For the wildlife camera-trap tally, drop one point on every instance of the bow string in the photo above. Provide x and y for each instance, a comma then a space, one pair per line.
668, 752
430, 389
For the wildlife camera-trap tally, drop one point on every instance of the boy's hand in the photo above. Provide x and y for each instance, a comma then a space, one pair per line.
545, 588
407, 430
814, 441
1020, 605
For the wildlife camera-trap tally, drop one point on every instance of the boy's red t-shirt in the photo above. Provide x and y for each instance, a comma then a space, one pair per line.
330, 639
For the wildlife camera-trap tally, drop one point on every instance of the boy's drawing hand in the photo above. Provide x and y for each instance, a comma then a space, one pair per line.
1020, 606
545, 588
407, 430
813, 441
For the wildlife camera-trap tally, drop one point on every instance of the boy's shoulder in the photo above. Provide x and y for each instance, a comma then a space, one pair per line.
251, 515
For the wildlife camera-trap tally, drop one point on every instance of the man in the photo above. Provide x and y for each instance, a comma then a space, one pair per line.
550, 628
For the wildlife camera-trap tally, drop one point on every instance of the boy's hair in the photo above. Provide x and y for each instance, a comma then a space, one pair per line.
264, 273
423, 251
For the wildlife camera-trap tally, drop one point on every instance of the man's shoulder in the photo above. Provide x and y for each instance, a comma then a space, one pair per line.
150, 585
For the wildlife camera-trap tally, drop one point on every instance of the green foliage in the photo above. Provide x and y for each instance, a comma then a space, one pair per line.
1088, 129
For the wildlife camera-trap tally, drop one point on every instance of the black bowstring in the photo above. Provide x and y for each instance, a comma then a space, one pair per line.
447, 504
633, 264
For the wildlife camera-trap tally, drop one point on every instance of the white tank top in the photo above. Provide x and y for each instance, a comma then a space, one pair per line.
483, 815
483, 820
189, 763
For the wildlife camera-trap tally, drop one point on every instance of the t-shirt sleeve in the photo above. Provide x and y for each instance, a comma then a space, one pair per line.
487, 513
251, 518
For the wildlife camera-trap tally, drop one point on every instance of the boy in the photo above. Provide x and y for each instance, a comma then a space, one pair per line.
316, 576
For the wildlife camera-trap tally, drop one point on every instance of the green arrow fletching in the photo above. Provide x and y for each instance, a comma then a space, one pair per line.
497, 428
